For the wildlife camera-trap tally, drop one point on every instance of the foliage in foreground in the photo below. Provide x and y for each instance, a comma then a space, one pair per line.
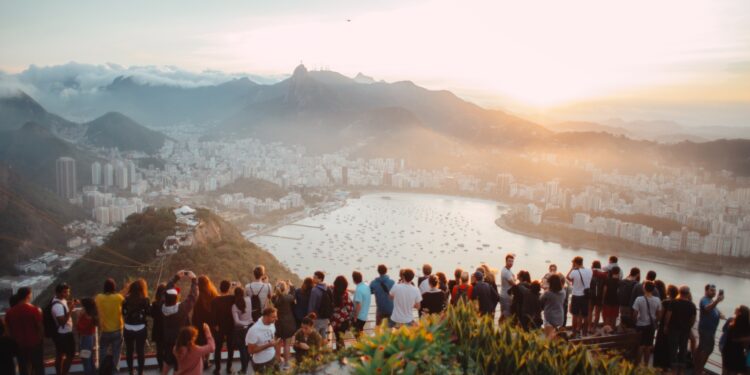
462, 343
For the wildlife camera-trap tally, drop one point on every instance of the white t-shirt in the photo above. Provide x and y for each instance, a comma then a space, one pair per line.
261, 290
507, 279
424, 287
654, 305
58, 311
405, 296
581, 280
260, 334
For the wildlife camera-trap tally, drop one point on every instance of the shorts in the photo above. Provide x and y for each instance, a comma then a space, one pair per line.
706, 341
65, 344
647, 335
610, 311
579, 306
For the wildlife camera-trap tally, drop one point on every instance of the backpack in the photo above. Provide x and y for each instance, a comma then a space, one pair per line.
597, 289
624, 292
50, 323
257, 309
326, 305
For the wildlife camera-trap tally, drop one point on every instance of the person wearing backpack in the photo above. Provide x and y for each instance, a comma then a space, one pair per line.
462, 292
321, 303
135, 309
381, 287
109, 306
624, 292
596, 296
259, 291
580, 277
65, 345
24, 324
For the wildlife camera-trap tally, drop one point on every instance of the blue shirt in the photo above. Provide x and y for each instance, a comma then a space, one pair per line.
362, 296
382, 300
709, 320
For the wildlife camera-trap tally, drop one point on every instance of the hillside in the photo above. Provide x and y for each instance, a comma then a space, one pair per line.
17, 110
219, 251
117, 130
31, 219
32, 151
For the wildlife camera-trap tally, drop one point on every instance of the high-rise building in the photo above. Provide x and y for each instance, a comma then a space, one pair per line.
121, 176
109, 175
66, 177
96, 174
131, 172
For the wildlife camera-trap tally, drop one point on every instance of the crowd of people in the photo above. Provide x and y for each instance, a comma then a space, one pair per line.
264, 322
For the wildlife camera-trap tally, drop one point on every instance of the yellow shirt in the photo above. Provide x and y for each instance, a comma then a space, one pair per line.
109, 307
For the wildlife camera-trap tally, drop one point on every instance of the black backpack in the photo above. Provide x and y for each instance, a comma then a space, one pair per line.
326, 305
257, 309
624, 292
50, 323
597, 289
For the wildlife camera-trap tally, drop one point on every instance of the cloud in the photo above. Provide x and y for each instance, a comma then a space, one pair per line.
11, 86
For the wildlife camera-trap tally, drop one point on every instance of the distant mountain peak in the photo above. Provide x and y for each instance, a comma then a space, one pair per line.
361, 78
299, 71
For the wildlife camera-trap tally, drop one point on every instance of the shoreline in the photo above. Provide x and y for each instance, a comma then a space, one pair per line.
500, 222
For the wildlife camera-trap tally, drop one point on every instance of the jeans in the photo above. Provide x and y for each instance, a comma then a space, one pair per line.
135, 339
88, 343
238, 336
31, 360
111, 340
220, 338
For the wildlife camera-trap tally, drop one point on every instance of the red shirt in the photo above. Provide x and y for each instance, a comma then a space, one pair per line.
85, 325
23, 321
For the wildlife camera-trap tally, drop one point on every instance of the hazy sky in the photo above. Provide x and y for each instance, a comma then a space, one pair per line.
542, 56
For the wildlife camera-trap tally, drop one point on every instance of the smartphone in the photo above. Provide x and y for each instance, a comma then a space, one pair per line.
721, 292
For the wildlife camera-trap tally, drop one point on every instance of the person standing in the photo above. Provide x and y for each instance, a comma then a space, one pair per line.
405, 298
8, 351
507, 281
462, 291
596, 294
381, 288
661, 346
157, 323
422, 282
109, 306
456, 280
733, 356
261, 342
175, 315
302, 300
86, 329
612, 264
285, 325
135, 309
202, 310
610, 304
679, 323
482, 293
552, 305
361, 302
580, 277
433, 301
624, 292
65, 345
646, 312
343, 310
321, 303
259, 291
223, 325
24, 324
242, 318
708, 322
190, 356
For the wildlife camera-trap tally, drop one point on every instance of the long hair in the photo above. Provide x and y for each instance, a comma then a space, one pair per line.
89, 307
307, 286
186, 338
138, 290
280, 289
239, 299
742, 321
339, 288
206, 292
555, 283
442, 280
